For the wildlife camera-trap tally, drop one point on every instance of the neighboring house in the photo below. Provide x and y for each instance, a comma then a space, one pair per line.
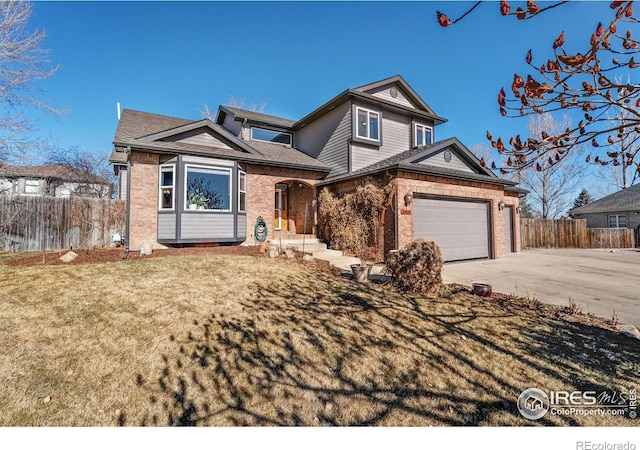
618, 210
204, 181
53, 180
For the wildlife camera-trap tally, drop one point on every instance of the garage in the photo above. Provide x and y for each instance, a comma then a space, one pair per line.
459, 227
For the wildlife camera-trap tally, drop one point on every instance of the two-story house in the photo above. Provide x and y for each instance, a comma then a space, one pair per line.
189, 182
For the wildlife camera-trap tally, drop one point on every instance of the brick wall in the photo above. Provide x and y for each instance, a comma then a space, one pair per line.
261, 188
143, 225
426, 184
433, 185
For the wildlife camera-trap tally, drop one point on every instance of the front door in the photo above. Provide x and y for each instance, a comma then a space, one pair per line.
280, 210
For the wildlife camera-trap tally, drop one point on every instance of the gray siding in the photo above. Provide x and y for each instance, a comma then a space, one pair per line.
242, 226
245, 132
232, 125
384, 92
438, 160
166, 226
602, 220
207, 226
327, 138
198, 137
396, 138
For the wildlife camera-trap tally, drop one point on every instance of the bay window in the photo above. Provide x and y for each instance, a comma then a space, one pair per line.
167, 187
208, 188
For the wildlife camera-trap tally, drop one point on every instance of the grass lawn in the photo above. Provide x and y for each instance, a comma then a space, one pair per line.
237, 340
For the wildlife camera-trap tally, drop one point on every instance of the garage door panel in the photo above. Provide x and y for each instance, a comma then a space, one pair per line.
459, 228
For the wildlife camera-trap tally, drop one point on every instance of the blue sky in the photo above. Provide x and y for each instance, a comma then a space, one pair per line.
173, 57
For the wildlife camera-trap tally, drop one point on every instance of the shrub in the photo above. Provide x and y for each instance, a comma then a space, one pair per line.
417, 268
353, 222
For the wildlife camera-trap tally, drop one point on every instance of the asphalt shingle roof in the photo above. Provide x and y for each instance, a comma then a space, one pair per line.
134, 125
399, 161
58, 171
625, 200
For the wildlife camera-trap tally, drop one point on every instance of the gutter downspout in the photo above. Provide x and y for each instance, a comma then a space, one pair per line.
128, 207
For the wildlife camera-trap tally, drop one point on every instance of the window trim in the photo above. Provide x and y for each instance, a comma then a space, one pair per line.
242, 174
617, 217
172, 168
229, 170
275, 131
416, 126
368, 138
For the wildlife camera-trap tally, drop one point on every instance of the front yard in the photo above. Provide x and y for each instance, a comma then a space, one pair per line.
212, 339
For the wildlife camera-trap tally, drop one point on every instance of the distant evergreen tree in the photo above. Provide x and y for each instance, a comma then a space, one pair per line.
526, 211
582, 199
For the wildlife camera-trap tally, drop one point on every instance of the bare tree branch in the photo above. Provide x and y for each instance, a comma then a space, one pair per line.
22, 62
583, 82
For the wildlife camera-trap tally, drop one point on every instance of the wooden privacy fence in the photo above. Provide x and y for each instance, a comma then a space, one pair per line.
29, 223
566, 233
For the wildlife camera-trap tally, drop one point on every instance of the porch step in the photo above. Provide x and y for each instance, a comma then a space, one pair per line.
319, 251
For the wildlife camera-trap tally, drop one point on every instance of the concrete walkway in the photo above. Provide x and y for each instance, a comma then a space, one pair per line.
600, 281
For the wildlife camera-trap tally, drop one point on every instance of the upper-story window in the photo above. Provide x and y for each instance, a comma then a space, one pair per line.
368, 126
422, 135
264, 134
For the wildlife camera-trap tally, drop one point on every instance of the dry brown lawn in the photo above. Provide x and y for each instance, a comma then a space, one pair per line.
236, 340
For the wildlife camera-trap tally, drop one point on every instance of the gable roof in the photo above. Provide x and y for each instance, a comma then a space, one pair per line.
408, 161
148, 131
622, 201
361, 93
61, 172
403, 85
136, 124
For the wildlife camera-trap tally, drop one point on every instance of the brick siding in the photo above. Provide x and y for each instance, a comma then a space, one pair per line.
143, 227
261, 189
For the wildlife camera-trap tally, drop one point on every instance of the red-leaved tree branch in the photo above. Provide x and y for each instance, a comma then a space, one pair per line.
588, 82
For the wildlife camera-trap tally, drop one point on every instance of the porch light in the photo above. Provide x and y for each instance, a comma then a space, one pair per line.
501, 205
408, 199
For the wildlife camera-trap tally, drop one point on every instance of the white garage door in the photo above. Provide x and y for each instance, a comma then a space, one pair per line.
459, 228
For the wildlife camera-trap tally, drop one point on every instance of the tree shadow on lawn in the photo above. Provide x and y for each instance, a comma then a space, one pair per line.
323, 351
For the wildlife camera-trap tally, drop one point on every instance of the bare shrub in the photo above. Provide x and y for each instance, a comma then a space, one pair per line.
416, 268
353, 222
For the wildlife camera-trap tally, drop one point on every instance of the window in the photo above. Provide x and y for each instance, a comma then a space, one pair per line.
242, 191
167, 184
208, 188
263, 134
368, 126
423, 135
31, 187
617, 221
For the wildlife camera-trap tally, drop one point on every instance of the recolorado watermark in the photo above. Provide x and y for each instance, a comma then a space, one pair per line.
534, 404
589, 445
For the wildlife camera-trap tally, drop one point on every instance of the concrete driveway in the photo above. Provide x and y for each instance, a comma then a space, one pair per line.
600, 281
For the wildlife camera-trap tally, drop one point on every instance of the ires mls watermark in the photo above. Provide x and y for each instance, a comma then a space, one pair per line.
534, 403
